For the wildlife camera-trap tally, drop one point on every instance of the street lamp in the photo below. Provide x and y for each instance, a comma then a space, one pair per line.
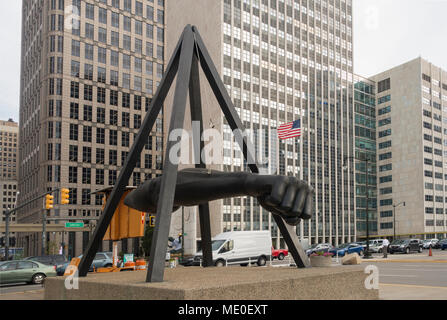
394, 216
367, 254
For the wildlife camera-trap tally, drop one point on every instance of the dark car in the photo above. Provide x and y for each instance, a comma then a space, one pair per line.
443, 244
405, 246
438, 245
51, 260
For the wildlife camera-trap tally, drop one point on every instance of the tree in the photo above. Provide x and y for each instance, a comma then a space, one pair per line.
147, 240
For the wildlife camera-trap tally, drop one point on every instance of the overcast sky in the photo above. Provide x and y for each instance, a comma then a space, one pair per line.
386, 33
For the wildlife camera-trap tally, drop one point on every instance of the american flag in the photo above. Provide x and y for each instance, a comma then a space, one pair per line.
290, 130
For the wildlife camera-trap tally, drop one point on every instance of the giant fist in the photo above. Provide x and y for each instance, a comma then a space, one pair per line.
288, 197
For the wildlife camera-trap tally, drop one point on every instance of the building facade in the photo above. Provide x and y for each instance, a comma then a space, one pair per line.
411, 155
282, 61
89, 70
365, 149
9, 139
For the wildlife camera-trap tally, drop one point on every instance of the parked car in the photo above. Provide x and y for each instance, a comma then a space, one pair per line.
443, 244
279, 253
51, 260
25, 271
376, 245
101, 260
426, 244
405, 246
319, 247
437, 245
347, 248
237, 247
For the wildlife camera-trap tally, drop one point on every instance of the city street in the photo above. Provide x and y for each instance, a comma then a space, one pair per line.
413, 277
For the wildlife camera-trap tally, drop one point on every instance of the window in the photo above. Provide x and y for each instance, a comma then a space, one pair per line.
89, 31
101, 115
384, 85
384, 133
99, 176
127, 24
102, 55
103, 15
90, 11
384, 99
386, 167
115, 39
115, 20
87, 113
87, 154
384, 122
386, 179
113, 98
137, 102
100, 158
87, 134
101, 95
385, 156
74, 110
75, 48
74, 90
386, 190
72, 174
125, 140
88, 72
100, 135
101, 75
86, 175
88, 92
75, 68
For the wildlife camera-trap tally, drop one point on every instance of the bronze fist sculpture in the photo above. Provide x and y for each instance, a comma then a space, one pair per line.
288, 197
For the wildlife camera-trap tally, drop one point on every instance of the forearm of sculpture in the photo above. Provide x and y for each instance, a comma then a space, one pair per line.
282, 195
194, 186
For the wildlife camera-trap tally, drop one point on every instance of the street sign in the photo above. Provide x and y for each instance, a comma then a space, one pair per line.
74, 224
151, 221
128, 257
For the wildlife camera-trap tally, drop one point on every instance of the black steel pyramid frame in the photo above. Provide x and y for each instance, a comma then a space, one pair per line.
190, 51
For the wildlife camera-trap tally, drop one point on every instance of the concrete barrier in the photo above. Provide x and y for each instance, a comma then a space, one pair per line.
232, 283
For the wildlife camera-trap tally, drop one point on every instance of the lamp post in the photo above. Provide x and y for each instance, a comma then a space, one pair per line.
394, 216
367, 254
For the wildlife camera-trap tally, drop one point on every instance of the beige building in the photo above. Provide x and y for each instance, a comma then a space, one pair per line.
89, 70
412, 150
281, 61
9, 138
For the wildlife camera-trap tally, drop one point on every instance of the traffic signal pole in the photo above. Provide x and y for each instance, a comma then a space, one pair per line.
44, 230
9, 212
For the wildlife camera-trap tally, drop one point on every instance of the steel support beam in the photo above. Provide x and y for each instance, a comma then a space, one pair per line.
156, 266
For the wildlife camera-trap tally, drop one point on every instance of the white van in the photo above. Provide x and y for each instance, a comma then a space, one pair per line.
239, 247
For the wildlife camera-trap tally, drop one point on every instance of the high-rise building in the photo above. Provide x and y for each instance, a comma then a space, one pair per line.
88, 72
365, 149
412, 150
282, 60
9, 138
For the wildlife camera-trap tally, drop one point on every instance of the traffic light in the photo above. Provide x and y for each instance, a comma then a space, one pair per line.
65, 197
49, 201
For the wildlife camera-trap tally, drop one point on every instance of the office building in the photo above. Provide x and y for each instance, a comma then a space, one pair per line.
9, 137
282, 61
412, 150
88, 72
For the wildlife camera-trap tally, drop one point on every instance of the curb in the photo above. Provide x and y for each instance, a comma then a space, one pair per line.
407, 260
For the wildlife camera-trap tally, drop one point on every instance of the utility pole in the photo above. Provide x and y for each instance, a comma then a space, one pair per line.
44, 230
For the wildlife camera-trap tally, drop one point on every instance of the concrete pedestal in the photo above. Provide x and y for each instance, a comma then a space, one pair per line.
227, 283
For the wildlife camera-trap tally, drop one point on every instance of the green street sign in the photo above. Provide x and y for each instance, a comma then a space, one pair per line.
74, 224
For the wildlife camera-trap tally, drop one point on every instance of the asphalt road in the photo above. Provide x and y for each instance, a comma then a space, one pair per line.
20, 287
413, 273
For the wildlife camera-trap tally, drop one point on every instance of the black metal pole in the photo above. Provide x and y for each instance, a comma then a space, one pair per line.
7, 214
44, 230
394, 222
367, 253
